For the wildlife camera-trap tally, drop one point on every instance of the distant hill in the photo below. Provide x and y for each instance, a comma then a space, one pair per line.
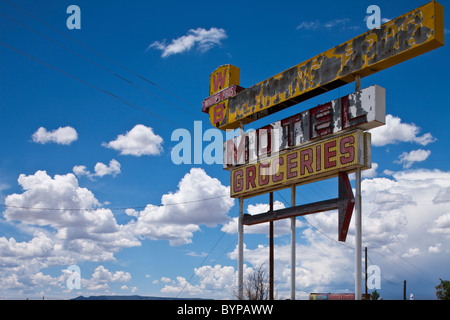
134, 297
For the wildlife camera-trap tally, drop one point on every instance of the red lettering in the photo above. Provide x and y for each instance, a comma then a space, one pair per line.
290, 164
219, 81
250, 175
330, 154
350, 150
237, 180
306, 158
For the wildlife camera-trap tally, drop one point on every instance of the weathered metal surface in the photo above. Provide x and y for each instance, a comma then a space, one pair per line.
311, 162
365, 109
398, 40
223, 77
344, 204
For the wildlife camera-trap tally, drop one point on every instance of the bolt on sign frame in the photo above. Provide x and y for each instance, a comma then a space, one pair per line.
412, 34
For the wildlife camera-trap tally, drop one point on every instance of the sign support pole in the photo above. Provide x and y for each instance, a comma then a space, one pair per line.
293, 246
358, 220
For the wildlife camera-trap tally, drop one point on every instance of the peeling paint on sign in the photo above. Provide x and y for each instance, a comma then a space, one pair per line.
408, 36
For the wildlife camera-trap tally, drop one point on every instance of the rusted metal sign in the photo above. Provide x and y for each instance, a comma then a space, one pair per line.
311, 162
331, 296
344, 204
398, 40
365, 109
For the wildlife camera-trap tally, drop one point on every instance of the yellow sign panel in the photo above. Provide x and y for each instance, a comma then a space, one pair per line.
223, 77
321, 160
403, 38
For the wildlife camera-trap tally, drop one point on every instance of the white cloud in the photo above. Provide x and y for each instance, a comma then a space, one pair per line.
309, 25
280, 227
396, 131
100, 168
402, 220
140, 140
201, 38
181, 213
408, 158
65, 135
370, 173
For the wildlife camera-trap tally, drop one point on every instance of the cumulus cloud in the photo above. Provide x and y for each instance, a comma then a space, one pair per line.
62, 135
140, 140
408, 158
200, 38
396, 131
181, 213
100, 170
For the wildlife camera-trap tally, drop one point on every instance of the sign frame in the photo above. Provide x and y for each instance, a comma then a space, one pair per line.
246, 182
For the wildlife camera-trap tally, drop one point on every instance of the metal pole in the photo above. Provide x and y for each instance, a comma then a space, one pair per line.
271, 252
358, 238
404, 290
241, 250
293, 264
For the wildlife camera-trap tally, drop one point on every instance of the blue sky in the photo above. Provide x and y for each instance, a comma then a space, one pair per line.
95, 152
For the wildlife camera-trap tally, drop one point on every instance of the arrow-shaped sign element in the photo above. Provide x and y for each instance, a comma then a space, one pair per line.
344, 204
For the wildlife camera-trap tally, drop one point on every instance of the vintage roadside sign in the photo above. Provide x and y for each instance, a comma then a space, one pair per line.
412, 34
311, 162
365, 109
